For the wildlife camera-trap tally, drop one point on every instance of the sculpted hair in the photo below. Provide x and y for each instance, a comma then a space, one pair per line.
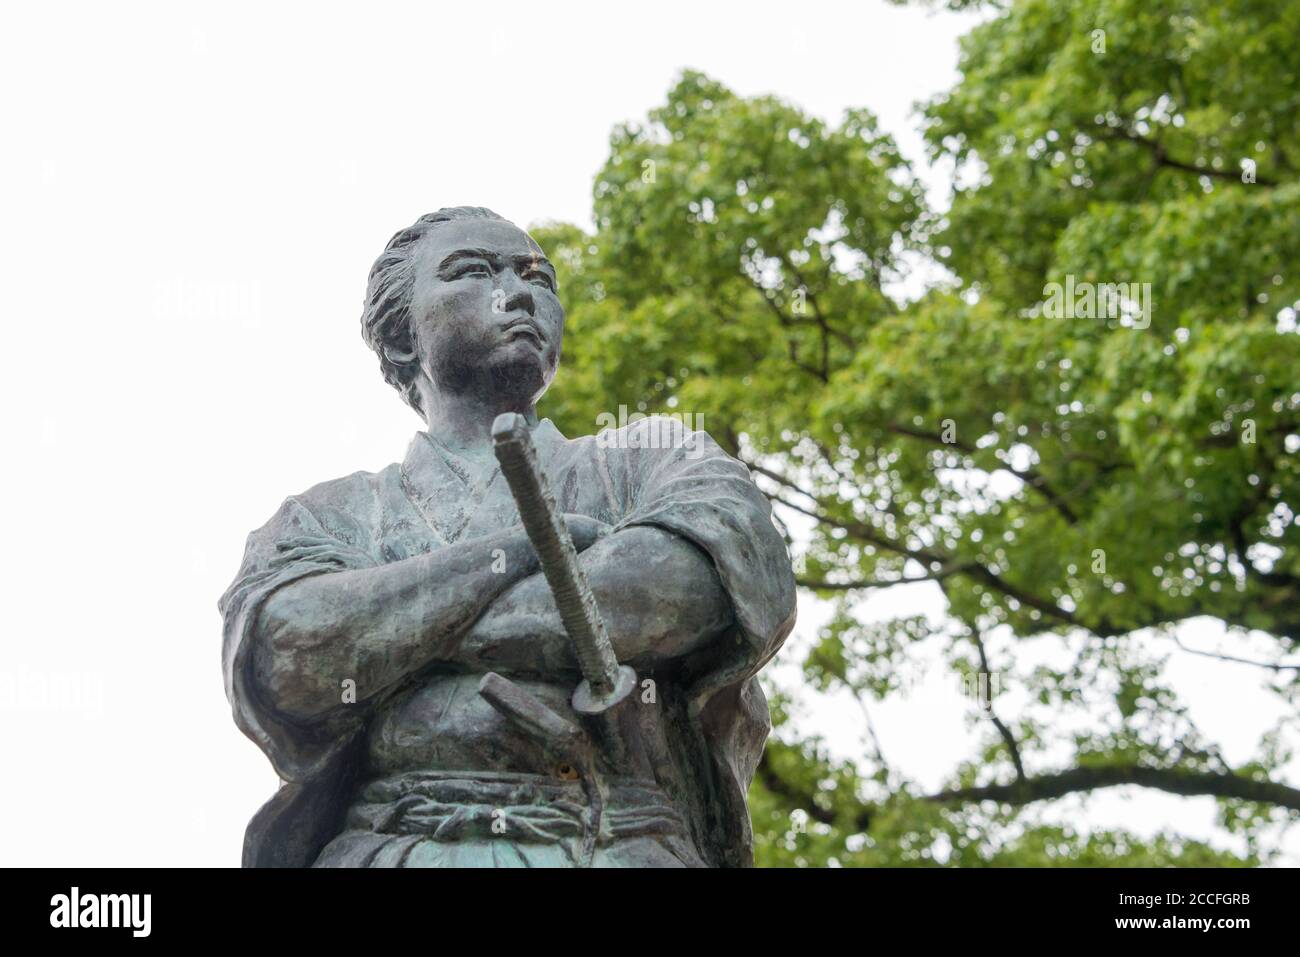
386, 318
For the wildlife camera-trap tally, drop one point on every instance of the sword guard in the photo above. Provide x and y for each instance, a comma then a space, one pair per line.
586, 701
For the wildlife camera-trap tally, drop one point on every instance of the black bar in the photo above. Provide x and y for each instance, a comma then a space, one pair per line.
385, 908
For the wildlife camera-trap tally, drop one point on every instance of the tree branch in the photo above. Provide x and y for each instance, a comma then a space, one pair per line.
1031, 477
1046, 787
866, 533
1234, 659
1008, 738
1162, 157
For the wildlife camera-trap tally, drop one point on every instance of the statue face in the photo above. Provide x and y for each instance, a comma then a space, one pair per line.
485, 319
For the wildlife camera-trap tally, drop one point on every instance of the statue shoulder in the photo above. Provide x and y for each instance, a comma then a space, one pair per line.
349, 505
349, 489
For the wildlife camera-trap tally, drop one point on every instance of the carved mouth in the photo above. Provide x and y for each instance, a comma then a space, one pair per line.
525, 330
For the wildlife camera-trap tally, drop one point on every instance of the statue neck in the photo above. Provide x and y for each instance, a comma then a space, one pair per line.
463, 423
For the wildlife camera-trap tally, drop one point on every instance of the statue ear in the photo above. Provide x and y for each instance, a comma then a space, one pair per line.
398, 357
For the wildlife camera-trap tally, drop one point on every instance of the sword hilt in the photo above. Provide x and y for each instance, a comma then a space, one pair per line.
605, 681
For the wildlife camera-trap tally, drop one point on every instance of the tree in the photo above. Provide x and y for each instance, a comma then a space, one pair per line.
1088, 481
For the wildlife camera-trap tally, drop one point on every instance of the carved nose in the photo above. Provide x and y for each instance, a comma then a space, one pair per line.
521, 299
517, 294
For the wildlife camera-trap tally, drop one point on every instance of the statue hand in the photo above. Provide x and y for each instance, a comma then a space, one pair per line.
585, 531
328, 551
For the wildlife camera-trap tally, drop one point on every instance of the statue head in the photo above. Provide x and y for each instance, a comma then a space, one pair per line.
464, 302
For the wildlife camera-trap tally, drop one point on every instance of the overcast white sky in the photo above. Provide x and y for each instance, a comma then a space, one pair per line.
191, 201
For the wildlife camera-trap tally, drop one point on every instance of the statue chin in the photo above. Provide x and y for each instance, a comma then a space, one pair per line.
523, 379
519, 378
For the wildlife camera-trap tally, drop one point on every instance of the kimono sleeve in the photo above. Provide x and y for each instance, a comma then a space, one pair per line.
682, 481
293, 545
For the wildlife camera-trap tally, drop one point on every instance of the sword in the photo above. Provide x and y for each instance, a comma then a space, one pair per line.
605, 682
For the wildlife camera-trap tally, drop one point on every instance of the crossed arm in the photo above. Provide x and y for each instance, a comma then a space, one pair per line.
482, 604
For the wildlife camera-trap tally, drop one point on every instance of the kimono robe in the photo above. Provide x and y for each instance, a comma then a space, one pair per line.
652, 472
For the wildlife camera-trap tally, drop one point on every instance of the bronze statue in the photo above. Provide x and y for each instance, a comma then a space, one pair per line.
439, 685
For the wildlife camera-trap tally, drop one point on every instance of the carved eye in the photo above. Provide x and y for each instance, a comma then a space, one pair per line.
473, 268
539, 278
